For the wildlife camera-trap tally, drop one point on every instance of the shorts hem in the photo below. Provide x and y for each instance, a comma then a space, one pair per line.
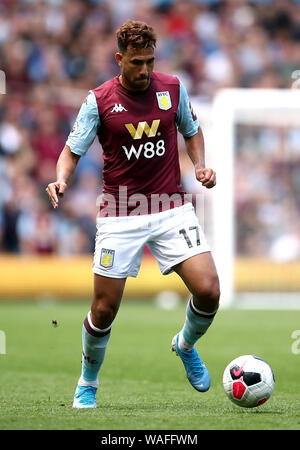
169, 268
113, 275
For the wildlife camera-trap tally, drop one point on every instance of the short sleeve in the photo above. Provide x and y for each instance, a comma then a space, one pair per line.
85, 127
186, 120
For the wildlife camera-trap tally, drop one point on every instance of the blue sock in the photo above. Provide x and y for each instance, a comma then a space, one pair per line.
196, 324
94, 342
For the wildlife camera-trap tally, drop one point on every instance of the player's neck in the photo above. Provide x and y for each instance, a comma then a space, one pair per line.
127, 86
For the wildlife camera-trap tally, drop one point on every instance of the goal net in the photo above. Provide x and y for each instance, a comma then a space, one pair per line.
254, 141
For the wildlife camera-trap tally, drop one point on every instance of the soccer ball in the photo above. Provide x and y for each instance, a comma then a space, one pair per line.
248, 381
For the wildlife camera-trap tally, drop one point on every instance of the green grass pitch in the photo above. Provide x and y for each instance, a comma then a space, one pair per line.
142, 384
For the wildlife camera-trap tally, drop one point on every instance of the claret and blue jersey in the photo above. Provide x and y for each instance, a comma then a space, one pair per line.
137, 132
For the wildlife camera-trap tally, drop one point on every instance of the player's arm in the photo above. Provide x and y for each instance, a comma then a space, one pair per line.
65, 168
79, 140
188, 126
195, 150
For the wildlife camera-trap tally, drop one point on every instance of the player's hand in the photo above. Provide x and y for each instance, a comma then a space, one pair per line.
207, 177
55, 190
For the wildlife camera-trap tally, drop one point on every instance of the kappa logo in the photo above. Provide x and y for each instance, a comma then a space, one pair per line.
143, 127
118, 108
107, 258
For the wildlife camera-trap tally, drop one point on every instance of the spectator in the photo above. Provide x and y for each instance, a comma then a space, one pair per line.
54, 51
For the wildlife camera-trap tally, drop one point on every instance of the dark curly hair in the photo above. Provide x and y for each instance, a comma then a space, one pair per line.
137, 34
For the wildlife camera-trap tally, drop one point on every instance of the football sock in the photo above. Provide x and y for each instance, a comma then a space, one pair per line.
196, 324
94, 342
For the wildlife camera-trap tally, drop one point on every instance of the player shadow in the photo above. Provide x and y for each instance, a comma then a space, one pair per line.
260, 411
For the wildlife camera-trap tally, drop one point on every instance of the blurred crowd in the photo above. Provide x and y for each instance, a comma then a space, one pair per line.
54, 51
267, 192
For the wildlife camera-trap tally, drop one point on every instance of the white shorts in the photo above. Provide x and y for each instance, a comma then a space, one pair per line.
172, 237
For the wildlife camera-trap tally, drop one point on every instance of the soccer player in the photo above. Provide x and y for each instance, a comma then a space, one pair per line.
136, 116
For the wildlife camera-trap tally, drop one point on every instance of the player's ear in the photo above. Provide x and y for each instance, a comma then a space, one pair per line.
119, 58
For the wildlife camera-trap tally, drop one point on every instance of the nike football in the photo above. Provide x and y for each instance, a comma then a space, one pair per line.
248, 381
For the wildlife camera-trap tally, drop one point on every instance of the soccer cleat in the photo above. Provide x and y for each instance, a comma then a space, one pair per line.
85, 397
196, 371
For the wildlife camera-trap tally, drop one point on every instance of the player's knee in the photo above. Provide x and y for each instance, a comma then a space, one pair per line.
208, 290
103, 315
104, 311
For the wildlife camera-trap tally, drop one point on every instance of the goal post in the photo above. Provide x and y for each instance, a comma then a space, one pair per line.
230, 108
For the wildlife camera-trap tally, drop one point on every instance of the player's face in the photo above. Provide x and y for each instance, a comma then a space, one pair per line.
136, 67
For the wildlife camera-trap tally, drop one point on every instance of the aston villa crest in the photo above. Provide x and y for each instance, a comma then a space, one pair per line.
164, 100
107, 258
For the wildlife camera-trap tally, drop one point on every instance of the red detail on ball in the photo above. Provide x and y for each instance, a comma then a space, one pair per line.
261, 401
238, 389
